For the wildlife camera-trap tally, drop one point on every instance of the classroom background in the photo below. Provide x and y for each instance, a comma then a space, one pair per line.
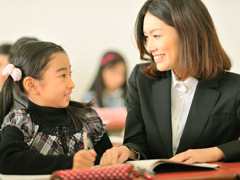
87, 28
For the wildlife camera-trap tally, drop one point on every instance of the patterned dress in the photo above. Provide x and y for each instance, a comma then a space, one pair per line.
48, 133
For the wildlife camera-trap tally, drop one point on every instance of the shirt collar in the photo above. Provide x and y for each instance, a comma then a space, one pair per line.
190, 82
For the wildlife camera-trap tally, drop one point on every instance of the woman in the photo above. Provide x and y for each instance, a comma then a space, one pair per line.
183, 104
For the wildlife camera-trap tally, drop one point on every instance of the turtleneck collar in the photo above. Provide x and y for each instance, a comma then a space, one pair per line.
47, 115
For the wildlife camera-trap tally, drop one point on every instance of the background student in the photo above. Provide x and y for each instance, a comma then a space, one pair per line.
4, 54
48, 135
183, 104
110, 86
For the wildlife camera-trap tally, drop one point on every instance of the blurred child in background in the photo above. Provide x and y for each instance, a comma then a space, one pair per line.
4, 54
110, 85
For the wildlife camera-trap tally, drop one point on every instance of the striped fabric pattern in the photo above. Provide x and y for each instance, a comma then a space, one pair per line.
48, 144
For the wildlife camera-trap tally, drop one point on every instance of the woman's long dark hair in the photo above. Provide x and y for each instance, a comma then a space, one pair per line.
201, 54
98, 84
32, 59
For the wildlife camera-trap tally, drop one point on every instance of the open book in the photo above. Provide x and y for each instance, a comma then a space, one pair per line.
165, 165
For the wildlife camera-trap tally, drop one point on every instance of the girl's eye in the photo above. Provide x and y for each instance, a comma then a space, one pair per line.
70, 73
64, 75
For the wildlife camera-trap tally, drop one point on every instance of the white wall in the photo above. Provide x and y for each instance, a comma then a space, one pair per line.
226, 17
86, 28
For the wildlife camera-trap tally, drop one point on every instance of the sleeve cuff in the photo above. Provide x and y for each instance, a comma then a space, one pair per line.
137, 153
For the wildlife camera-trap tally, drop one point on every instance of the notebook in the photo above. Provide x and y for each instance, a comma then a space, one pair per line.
165, 165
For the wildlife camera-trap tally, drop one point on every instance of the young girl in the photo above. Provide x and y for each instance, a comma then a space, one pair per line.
48, 135
109, 87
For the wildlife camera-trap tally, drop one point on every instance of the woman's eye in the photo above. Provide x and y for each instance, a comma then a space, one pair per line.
156, 36
64, 75
70, 73
145, 37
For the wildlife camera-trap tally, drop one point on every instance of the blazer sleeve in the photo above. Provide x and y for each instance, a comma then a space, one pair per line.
135, 133
231, 149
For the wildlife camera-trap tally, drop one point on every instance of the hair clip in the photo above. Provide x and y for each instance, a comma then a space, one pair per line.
10, 69
107, 58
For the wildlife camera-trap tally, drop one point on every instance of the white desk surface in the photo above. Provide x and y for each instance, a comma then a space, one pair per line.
24, 177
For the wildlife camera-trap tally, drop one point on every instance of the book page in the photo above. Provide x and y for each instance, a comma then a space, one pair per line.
149, 165
145, 164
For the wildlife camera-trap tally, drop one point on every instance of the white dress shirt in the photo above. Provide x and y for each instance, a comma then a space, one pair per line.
182, 93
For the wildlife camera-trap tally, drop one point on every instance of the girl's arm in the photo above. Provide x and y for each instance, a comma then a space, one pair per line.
16, 158
102, 146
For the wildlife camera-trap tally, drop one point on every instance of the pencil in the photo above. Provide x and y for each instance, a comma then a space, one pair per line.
85, 140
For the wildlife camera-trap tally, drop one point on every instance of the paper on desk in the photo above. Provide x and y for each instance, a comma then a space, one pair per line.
116, 139
207, 165
106, 121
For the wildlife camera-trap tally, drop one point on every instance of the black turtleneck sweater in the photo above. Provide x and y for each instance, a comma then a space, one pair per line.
18, 155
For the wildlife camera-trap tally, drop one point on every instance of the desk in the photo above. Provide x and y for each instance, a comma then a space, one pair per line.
225, 172
114, 118
24, 177
234, 166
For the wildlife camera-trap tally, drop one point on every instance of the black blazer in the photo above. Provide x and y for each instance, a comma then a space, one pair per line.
213, 119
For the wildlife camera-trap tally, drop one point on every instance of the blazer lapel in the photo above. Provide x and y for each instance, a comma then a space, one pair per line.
162, 108
203, 102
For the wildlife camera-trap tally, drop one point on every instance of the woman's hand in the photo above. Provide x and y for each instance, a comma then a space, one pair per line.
84, 159
117, 155
199, 155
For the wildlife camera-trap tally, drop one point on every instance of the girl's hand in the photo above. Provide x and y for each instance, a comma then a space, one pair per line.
84, 159
117, 155
199, 155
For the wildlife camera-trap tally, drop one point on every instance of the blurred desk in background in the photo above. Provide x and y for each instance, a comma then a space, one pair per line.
115, 119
